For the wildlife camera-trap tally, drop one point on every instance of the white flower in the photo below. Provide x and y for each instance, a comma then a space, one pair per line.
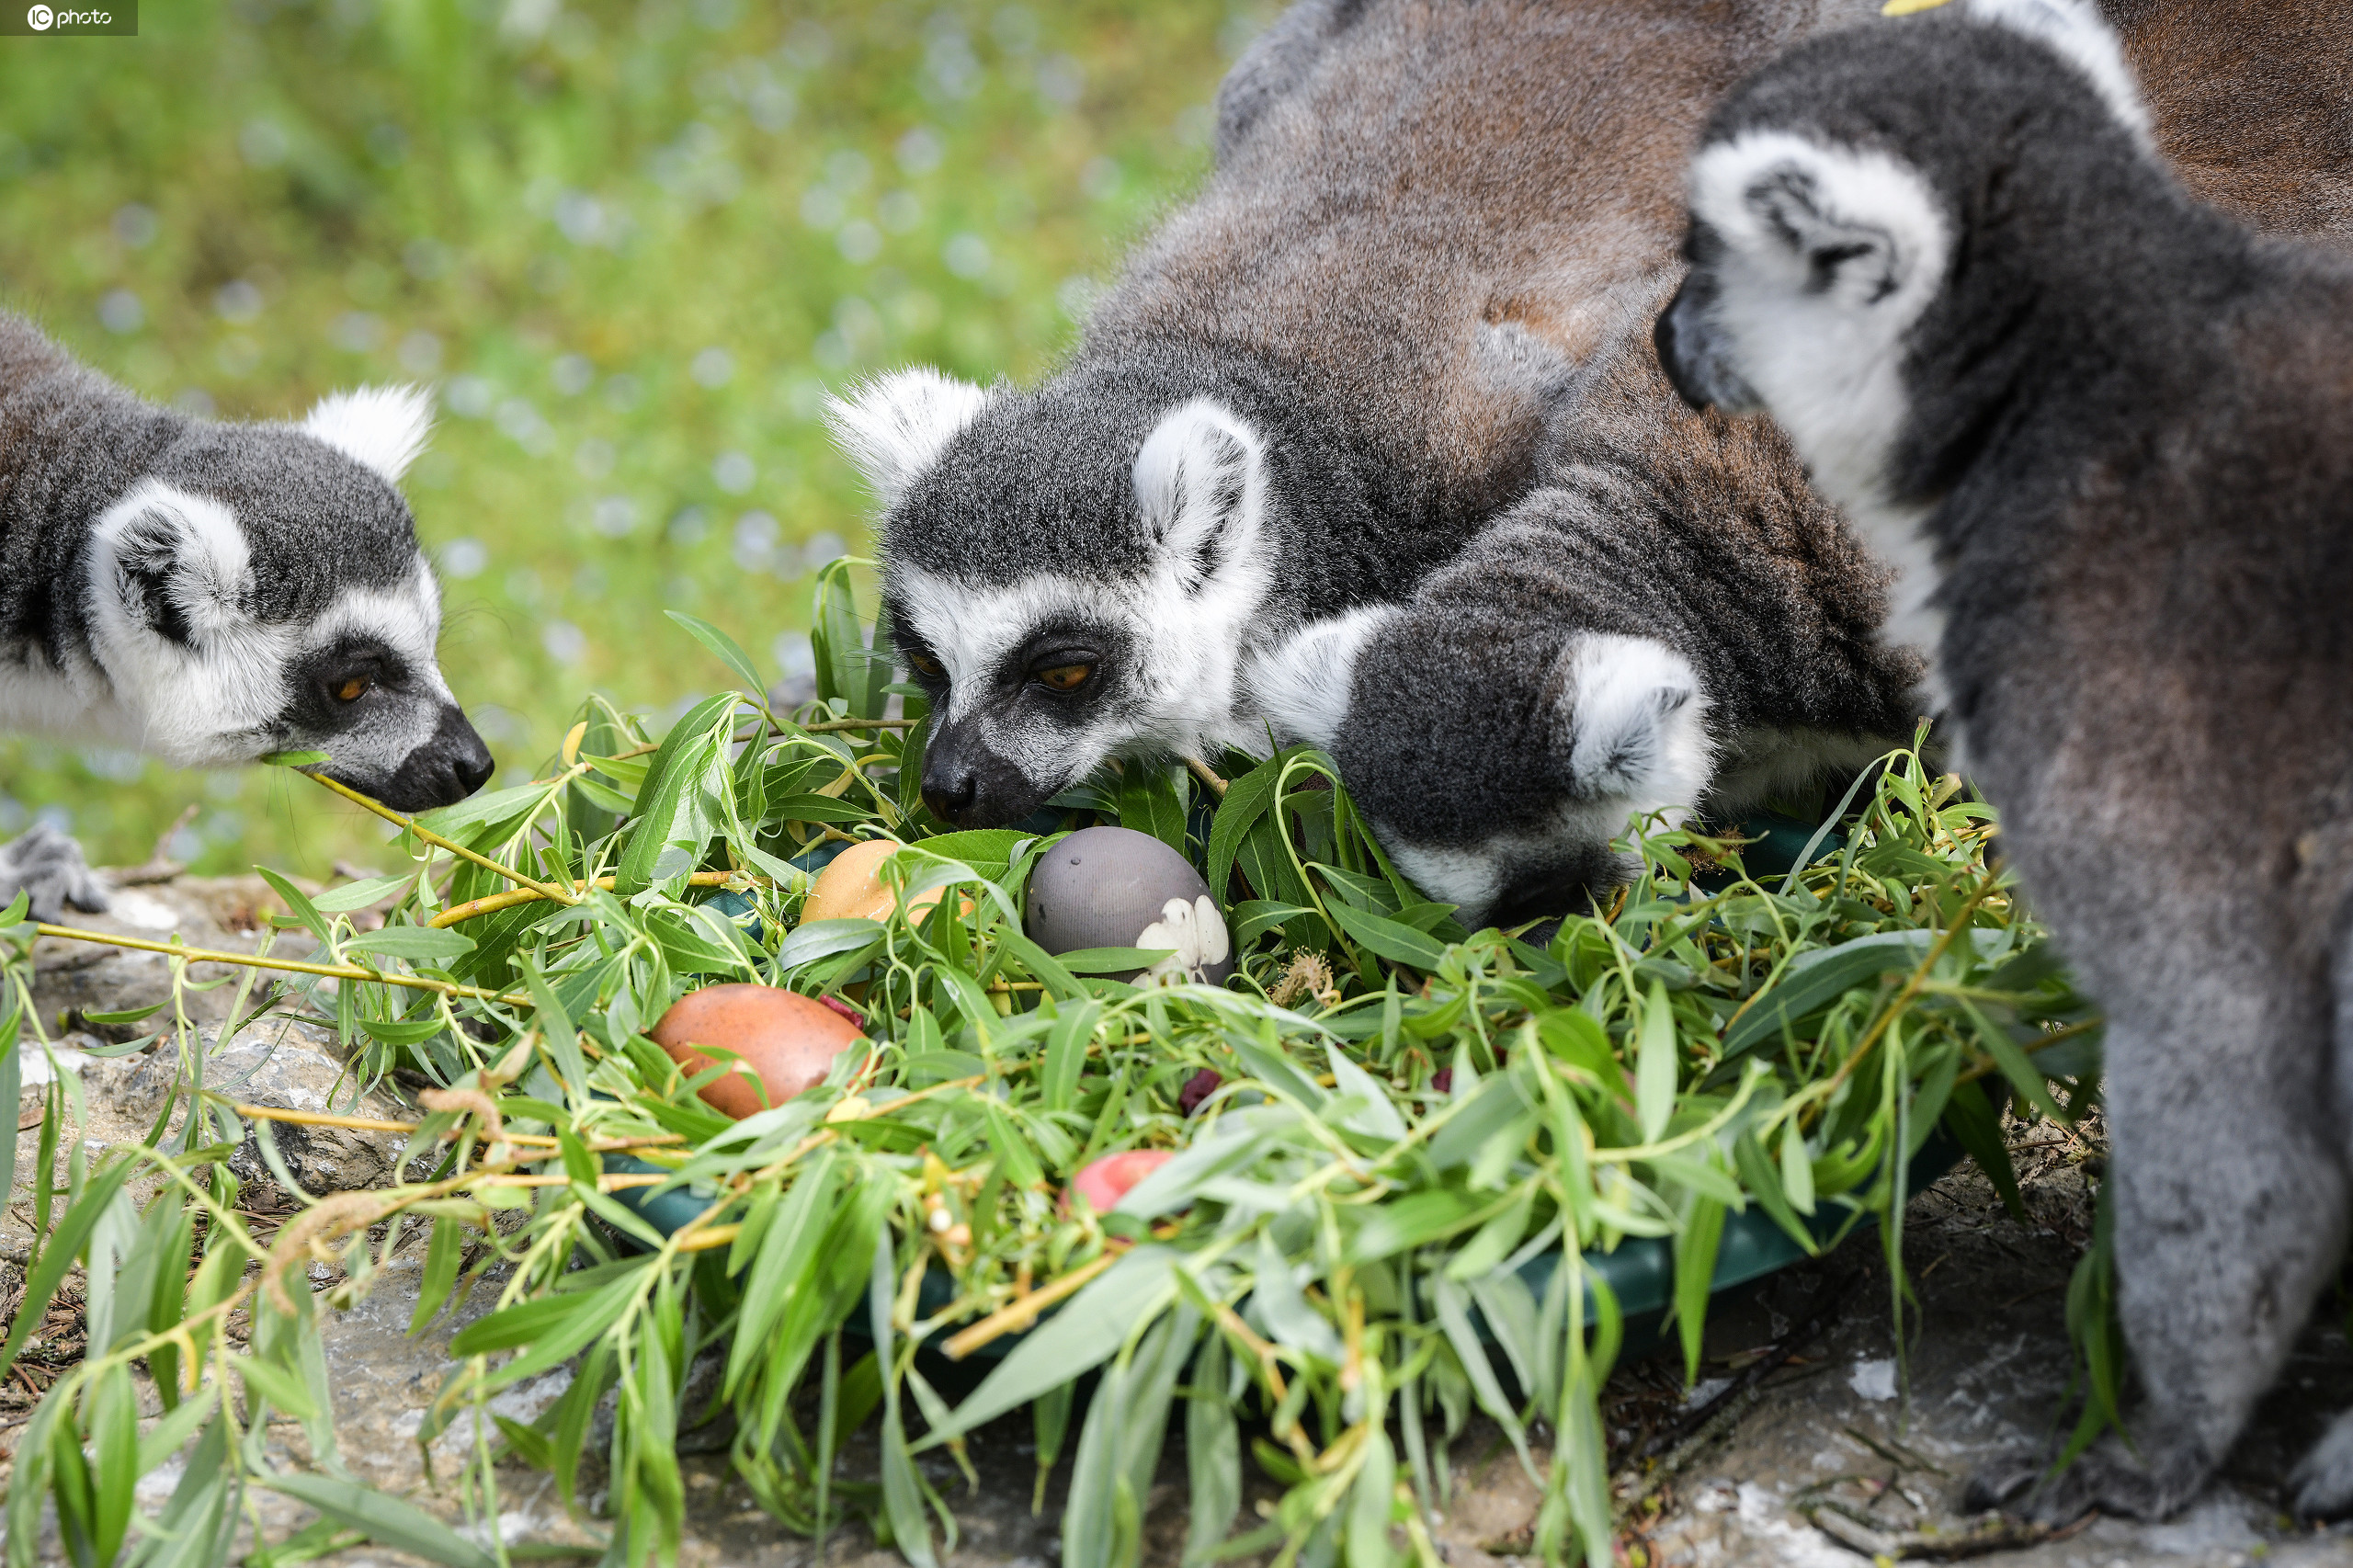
1196, 934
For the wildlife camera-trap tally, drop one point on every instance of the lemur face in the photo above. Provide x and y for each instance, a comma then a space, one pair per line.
1062, 598
263, 591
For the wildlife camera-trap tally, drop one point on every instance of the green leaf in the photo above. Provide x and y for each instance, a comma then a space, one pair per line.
1149, 803
1655, 1061
275, 1384
1212, 1453
359, 895
74, 1230
1695, 1274
385, 1520
1085, 1335
415, 944
725, 648
1110, 960
1797, 1168
1398, 944
1246, 800
292, 758
823, 939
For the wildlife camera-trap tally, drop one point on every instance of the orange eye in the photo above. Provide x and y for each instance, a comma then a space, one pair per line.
351, 690
923, 664
1066, 678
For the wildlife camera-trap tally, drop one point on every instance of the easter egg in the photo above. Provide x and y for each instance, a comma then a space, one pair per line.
1105, 1181
1113, 887
852, 887
786, 1040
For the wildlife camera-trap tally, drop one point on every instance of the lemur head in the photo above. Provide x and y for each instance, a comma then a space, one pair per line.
1071, 575
1847, 198
260, 589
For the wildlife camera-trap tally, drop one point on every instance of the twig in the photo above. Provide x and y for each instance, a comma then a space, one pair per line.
295, 965
1207, 775
490, 903
543, 889
1020, 1315
831, 724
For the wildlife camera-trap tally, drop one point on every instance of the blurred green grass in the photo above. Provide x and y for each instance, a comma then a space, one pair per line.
631, 246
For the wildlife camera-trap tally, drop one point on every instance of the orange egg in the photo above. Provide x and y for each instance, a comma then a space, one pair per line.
786, 1040
852, 887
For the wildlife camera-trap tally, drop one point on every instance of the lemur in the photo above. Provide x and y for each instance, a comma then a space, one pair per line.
211, 592
1407, 314
2107, 432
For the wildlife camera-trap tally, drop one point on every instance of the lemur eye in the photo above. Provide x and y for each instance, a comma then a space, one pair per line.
351, 690
924, 663
1066, 678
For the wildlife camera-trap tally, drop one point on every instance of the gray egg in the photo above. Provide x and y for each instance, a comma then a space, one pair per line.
1113, 887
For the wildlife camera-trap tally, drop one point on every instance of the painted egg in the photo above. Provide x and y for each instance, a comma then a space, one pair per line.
1106, 1181
1113, 887
852, 887
786, 1040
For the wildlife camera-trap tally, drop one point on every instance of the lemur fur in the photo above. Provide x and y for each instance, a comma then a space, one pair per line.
2110, 430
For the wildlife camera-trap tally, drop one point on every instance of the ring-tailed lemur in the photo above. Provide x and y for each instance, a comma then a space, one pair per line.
2108, 433
1412, 301
211, 593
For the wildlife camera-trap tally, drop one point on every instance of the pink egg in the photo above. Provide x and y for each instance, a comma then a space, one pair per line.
1105, 1181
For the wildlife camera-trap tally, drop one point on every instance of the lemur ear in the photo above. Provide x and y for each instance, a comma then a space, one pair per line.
174, 563
382, 429
1858, 228
1636, 716
893, 427
1201, 485
2079, 32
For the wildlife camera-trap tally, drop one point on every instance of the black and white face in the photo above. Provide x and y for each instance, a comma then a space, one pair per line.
1037, 676
265, 593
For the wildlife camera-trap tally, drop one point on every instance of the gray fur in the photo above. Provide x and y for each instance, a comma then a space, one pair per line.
204, 590
2122, 442
1419, 278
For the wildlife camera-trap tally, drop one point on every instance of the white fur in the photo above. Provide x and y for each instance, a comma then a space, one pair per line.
2077, 32
382, 427
1637, 717
1300, 685
1199, 456
892, 427
1828, 361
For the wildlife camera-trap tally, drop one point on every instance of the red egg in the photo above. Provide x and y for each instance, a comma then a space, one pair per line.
787, 1040
1105, 1181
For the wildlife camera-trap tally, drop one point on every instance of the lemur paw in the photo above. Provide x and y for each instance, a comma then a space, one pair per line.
2323, 1480
2107, 1478
47, 865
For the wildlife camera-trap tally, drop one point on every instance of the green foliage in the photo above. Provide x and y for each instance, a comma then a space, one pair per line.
1407, 1115
630, 245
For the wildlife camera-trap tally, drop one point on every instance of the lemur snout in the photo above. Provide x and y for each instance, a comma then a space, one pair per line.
966, 783
447, 767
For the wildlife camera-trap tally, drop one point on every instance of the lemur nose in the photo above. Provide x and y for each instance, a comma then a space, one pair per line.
948, 792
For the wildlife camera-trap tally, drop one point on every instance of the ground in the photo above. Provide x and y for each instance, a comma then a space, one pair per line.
1798, 1447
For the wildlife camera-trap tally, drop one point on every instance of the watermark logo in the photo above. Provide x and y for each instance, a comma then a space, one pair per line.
118, 18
